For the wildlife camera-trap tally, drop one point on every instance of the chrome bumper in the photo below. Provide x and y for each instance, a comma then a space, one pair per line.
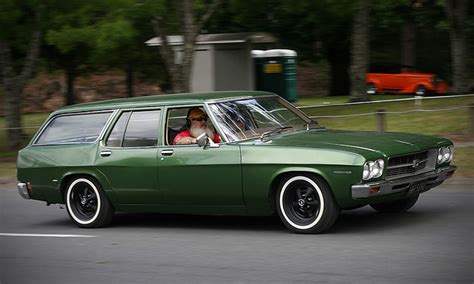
412, 185
23, 190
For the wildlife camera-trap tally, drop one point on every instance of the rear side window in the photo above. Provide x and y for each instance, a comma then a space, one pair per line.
75, 128
135, 129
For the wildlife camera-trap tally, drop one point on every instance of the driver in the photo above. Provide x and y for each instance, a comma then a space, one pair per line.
197, 123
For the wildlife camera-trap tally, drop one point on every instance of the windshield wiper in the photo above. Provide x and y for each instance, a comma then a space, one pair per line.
274, 131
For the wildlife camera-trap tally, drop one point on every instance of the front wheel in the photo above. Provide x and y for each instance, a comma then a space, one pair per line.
306, 205
401, 205
421, 90
87, 204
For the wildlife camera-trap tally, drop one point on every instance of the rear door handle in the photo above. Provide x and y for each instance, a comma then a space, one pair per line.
106, 153
167, 152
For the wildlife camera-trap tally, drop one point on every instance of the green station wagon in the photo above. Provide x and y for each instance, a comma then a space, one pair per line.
119, 156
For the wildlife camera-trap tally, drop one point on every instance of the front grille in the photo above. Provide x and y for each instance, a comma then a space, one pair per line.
406, 165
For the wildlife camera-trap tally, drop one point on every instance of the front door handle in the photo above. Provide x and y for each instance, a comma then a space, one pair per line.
106, 153
167, 152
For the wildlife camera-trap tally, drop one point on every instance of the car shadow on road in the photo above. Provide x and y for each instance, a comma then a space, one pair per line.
155, 220
354, 221
367, 220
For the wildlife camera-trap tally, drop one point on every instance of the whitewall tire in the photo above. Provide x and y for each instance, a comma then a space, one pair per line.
87, 204
305, 204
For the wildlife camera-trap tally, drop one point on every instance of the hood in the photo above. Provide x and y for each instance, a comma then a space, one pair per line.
361, 142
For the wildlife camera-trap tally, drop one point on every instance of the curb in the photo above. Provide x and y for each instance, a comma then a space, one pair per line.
8, 180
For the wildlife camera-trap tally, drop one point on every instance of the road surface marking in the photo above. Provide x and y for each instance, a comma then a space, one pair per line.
45, 235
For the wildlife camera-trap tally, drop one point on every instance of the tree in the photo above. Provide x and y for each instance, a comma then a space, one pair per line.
180, 72
19, 50
456, 11
116, 45
71, 36
360, 51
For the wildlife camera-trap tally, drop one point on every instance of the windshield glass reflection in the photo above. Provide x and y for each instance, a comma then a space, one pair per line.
252, 118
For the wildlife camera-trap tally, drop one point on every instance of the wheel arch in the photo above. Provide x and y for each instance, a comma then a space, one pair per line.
99, 178
286, 173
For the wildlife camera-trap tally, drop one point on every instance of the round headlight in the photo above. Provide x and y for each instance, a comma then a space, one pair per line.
447, 154
366, 172
373, 169
451, 153
379, 166
441, 155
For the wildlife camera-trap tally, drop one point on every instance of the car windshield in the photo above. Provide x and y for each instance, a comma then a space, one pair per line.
258, 117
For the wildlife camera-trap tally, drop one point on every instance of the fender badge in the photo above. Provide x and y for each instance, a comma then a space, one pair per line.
343, 172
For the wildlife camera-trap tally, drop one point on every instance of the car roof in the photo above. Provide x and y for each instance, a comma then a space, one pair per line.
160, 100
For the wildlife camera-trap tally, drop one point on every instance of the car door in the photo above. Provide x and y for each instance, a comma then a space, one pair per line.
201, 177
127, 157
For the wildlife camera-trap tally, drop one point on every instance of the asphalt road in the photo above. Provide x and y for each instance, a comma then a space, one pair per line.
433, 243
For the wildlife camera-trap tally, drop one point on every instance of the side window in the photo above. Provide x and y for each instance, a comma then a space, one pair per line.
116, 136
142, 129
177, 118
135, 129
75, 128
177, 122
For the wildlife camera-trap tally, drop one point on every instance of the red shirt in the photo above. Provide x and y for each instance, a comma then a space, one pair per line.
187, 133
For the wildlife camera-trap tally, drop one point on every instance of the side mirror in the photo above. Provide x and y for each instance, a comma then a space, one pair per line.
202, 140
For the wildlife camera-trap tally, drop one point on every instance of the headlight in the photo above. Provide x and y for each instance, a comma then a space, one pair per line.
373, 169
445, 154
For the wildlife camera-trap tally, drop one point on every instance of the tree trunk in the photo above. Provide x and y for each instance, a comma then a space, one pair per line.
457, 16
13, 86
360, 51
339, 59
181, 72
70, 79
167, 54
12, 110
130, 79
408, 42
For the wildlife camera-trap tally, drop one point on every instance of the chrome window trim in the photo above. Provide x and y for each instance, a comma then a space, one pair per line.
222, 100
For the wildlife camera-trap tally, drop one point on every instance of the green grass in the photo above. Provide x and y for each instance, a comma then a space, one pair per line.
440, 122
31, 122
463, 159
7, 170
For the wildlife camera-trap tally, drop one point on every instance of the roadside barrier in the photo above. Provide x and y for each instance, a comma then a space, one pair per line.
381, 114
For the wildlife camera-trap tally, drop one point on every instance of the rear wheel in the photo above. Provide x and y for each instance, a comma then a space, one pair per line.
401, 205
371, 89
87, 204
306, 205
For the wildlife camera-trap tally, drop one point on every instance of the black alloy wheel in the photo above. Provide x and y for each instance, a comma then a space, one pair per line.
86, 203
302, 201
305, 204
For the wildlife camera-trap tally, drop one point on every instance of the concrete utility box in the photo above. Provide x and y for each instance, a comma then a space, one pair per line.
221, 61
275, 71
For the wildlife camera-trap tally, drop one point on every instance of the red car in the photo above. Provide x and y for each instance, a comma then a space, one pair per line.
402, 79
